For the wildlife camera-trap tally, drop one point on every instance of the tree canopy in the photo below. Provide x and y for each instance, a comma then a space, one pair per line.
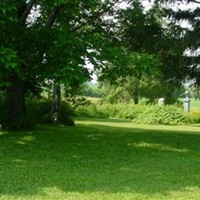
167, 50
44, 40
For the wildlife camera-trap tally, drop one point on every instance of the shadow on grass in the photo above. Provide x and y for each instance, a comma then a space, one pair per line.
98, 158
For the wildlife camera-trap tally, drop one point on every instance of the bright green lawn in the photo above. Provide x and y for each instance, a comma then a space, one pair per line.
195, 105
101, 160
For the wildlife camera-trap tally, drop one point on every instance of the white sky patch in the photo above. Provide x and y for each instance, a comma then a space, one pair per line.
189, 52
34, 15
88, 65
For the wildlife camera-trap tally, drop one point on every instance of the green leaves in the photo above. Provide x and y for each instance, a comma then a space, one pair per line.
165, 115
7, 10
131, 65
8, 58
9, 63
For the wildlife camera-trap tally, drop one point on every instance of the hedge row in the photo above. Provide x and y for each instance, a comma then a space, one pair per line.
141, 114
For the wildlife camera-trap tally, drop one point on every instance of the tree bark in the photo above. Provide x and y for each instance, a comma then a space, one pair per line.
15, 102
26, 12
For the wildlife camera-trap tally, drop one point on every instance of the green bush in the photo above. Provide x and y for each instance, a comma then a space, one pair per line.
37, 111
32, 108
141, 114
166, 115
105, 110
64, 116
44, 111
40, 111
122, 110
91, 110
23, 123
195, 117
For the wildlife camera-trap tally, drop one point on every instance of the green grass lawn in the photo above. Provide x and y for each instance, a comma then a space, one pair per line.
195, 105
101, 160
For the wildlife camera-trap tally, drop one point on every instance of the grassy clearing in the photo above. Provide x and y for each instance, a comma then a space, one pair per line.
101, 159
195, 105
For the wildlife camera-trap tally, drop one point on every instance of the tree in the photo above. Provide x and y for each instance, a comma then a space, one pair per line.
187, 49
156, 32
47, 40
137, 80
138, 34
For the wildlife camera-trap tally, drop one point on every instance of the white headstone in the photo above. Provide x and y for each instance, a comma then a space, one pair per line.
161, 101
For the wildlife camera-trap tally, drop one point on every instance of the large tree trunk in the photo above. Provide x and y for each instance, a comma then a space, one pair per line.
15, 103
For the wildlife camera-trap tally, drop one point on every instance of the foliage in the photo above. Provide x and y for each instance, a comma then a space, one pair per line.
91, 90
195, 92
42, 40
187, 37
126, 111
140, 113
92, 110
75, 101
166, 115
19, 124
145, 87
195, 117
144, 74
105, 110
115, 94
64, 115
9, 62
39, 111
146, 33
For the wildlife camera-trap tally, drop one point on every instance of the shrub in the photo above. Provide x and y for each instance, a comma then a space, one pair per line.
44, 111
166, 115
64, 115
195, 117
37, 111
122, 110
40, 111
22, 124
91, 110
105, 110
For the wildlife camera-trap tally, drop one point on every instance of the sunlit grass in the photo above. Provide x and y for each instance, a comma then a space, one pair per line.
195, 105
101, 159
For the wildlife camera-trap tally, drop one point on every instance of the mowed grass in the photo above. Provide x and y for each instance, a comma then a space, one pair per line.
195, 105
101, 160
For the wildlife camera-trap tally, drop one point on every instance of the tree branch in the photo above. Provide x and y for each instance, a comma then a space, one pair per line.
26, 12
101, 13
52, 17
